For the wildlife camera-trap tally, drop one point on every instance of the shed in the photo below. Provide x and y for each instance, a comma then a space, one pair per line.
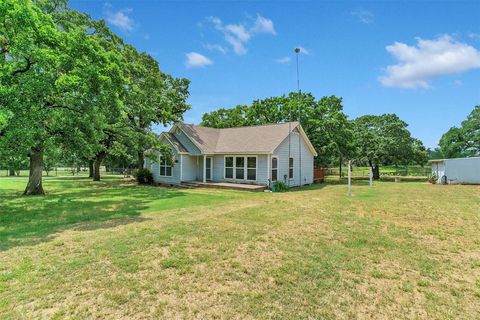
457, 171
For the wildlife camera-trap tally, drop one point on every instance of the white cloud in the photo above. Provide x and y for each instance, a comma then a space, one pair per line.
419, 64
263, 25
216, 47
458, 82
238, 35
364, 16
283, 60
119, 18
195, 59
146, 36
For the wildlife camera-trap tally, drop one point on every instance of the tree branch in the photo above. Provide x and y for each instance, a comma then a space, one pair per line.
24, 69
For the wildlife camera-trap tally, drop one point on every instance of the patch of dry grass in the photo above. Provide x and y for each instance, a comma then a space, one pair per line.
399, 250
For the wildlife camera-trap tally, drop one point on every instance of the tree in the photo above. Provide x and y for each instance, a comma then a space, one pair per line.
152, 98
55, 76
227, 118
463, 141
385, 139
453, 143
323, 121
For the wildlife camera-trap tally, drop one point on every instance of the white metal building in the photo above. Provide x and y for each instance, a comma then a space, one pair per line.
457, 171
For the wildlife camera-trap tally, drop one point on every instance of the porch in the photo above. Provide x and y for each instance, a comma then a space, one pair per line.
224, 185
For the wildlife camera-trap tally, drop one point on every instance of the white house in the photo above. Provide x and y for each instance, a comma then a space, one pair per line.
457, 171
251, 155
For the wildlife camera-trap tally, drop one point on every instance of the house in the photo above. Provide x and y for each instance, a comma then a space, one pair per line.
457, 171
251, 155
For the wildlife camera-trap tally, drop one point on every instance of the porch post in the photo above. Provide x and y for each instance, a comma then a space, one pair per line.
181, 167
269, 163
204, 168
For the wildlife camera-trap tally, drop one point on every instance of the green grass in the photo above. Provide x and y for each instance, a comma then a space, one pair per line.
115, 250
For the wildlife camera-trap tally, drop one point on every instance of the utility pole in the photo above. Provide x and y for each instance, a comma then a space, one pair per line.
297, 51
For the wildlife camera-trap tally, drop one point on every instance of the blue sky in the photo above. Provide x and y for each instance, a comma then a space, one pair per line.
420, 60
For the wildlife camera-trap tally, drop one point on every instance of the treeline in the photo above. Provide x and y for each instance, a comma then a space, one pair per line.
368, 140
463, 141
72, 91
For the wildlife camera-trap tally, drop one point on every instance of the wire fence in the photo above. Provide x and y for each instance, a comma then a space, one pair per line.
411, 171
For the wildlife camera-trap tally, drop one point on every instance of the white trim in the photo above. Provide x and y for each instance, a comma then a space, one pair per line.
271, 168
211, 168
181, 167
204, 168
165, 166
307, 140
293, 168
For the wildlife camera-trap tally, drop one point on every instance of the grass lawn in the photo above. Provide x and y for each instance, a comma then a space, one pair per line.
114, 250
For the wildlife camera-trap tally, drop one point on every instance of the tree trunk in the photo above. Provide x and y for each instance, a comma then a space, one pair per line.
90, 168
96, 165
11, 172
34, 186
340, 168
141, 160
375, 170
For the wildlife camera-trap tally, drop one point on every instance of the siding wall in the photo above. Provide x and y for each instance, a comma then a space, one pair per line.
175, 178
187, 143
297, 147
464, 170
189, 168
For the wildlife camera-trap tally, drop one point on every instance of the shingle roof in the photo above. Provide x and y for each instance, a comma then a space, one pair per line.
175, 142
254, 139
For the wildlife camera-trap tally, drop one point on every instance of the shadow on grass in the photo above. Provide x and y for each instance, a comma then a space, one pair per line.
73, 204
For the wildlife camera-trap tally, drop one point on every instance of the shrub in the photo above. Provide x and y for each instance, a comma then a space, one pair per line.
144, 176
280, 186
433, 179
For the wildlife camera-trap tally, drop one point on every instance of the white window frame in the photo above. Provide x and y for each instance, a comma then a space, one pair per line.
225, 167
165, 165
234, 168
246, 168
271, 167
292, 167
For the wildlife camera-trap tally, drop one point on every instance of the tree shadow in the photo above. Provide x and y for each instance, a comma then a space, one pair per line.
72, 205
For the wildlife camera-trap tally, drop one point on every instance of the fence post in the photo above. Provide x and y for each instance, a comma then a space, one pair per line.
349, 178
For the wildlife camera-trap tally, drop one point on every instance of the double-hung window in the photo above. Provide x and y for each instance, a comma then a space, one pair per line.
290, 168
274, 168
165, 168
228, 167
252, 168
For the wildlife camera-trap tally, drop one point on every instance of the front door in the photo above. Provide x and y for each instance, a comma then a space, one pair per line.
208, 169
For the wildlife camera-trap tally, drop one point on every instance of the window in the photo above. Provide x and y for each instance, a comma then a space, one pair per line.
274, 168
290, 168
252, 168
228, 167
165, 168
239, 168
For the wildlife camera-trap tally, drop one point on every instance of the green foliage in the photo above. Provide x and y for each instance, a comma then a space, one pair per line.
385, 139
463, 141
280, 186
144, 176
67, 80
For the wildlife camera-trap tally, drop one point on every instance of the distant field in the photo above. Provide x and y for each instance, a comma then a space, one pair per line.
60, 172
115, 250
410, 171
